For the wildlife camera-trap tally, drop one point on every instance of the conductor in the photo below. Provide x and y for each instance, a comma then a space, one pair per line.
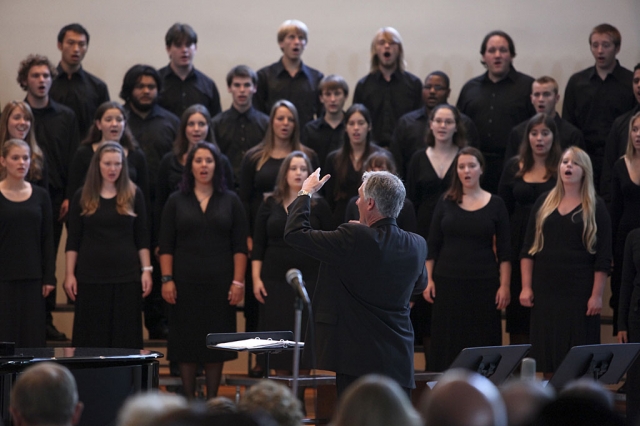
369, 272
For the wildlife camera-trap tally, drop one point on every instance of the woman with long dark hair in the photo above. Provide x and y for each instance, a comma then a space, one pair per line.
525, 177
429, 175
565, 259
27, 259
345, 165
203, 257
108, 266
468, 281
110, 124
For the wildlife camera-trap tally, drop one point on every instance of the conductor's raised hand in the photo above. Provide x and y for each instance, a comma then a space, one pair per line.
313, 183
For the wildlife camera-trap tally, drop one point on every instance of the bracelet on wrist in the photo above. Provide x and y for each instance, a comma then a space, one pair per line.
237, 284
166, 278
147, 269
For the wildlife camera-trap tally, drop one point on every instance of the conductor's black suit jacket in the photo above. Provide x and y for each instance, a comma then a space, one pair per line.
361, 302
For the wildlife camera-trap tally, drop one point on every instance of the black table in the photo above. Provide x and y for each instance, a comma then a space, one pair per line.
105, 377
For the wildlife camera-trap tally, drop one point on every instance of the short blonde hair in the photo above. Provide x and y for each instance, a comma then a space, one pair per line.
291, 25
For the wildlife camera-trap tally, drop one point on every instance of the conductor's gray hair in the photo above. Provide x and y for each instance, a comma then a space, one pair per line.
387, 190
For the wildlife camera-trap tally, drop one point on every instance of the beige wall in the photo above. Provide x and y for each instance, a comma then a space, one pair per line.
550, 35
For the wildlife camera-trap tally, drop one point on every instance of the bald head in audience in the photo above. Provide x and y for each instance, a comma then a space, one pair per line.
524, 399
145, 409
45, 394
463, 398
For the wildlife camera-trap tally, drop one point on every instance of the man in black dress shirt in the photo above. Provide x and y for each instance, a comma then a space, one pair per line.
595, 96
368, 273
388, 91
325, 134
290, 78
56, 131
155, 129
496, 101
618, 137
183, 85
73, 86
409, 134
242, 126
544, 97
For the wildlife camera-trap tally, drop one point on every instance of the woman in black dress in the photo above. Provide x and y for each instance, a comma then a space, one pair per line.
195, 126
629, 316
468, 281
625, 206
272, 257
108, 268
261, 164
27, 260
525, 177
345, 165
203, 257
16, 122
429, 175
110, 124
258, 174
565, 260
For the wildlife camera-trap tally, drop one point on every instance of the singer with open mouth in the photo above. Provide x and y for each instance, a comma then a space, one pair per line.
368, 273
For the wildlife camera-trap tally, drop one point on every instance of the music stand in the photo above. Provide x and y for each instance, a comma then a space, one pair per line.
496, 363
604, 363
214, 338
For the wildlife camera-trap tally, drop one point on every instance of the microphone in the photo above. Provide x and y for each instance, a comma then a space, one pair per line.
294, 279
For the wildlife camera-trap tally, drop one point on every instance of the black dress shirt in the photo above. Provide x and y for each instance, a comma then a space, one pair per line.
237, 132
592, 104
568, 134
322, 138
496, 108
387, 101
56, 130
615, 148
83, 93
155, 134
275, 83
410, 135
178, 94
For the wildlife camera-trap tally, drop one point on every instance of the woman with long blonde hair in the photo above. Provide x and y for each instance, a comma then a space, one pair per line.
625, 207
17, 122
565, 260
108, 268
27, 259
272, 257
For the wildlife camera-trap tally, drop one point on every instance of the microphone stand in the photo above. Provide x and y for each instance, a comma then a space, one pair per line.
299, 306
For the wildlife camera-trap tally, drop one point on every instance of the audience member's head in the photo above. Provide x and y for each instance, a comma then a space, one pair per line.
375, 400
200, 415
463, 398
45, 394
524, 399
145, 409
583, 402
589, 390
221, 404
275, 399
